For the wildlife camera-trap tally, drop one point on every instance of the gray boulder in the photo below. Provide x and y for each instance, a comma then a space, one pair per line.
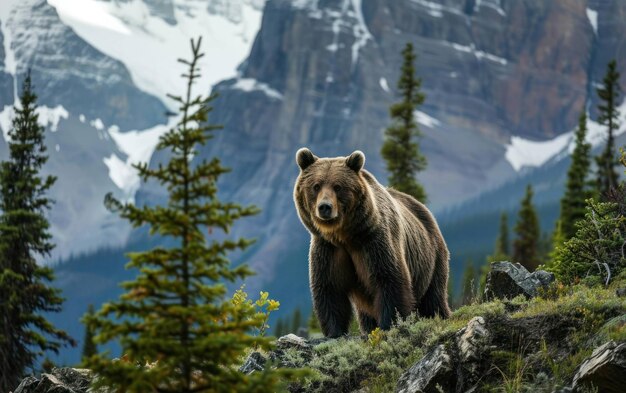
507, 280
435, 371
60, 380
291, 341
254, 362
605, 369
454, 368
472, 344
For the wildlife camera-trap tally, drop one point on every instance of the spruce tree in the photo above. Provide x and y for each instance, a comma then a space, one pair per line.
401, 146
25, 290
608, 176
502, 249
527, 230
577, 189
89, 346
279, 329
178, 330
469, 283
296, 321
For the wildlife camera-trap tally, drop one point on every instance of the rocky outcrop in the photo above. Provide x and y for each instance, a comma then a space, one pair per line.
605, 369
507, 280
457, 367
59, 380
434, 371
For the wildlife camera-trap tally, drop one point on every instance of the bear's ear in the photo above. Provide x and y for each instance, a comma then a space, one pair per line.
304, 158
356, 161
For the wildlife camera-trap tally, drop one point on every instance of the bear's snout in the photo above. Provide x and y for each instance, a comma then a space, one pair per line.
325, 210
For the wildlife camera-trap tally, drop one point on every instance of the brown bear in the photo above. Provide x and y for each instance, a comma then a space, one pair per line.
372, 247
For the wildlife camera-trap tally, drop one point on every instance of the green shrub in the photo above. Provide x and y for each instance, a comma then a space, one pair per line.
597, 249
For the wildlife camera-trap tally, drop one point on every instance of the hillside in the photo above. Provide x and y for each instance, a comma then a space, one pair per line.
566, 336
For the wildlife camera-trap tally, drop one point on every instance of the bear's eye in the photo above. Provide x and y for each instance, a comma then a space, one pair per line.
316, 187
337, 188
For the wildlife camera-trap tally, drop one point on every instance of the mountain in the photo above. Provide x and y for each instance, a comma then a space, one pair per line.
504, 83
102, 70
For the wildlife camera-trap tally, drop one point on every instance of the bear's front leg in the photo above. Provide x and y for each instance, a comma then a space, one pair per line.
328, 288
390, 277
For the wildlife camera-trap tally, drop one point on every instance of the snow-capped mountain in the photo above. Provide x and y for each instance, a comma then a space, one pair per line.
102, 70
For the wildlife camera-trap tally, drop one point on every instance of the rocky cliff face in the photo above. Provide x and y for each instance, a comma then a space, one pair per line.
322, 74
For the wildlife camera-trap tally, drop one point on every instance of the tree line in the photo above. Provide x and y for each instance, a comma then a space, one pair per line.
590, 226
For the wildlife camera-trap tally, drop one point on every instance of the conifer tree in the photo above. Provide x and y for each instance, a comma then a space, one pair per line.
279, 330
501, 251
577, 188
178, 330
527, 230
296, 322
401, 147
607, 162
25, 291
89, 346
314, 323
469, 283
502, 248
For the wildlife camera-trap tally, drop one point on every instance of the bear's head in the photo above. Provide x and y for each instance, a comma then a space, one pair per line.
328, 189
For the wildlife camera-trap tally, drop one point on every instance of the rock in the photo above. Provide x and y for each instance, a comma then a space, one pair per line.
472, 343
620, 292
507, 280
291, 340
60, 380
605, 369
433, 371
254, 362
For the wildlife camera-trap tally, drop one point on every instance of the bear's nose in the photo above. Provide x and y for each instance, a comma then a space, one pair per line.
325, 210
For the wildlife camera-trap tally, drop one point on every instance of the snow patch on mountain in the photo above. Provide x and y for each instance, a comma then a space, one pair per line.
383, 84
138, 147
46, 117
592, 15
493, 4
436, 10
522, 153
6, 117
426, 120
249, 84
51, 116
477, 53
360, 31
10, 65
123, 30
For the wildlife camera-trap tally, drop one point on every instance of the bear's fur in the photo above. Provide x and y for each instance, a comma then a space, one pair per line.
372, 247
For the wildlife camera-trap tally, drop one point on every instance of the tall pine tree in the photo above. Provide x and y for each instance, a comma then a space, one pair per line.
469, 283
607, 162
25, 291
577, 188
527, 230
89, 346
296, 321
501, 250
401, 147
177, 329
